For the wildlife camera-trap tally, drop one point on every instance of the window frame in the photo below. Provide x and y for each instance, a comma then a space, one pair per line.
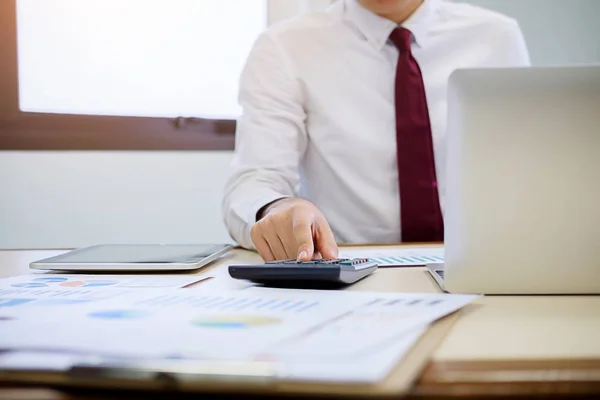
44, 131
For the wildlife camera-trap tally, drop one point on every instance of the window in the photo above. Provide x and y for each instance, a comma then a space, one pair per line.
113, 74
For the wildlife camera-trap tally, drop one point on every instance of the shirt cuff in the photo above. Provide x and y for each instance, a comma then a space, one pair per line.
267, 198
247, 213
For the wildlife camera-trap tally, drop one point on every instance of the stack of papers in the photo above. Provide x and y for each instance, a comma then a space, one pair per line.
333, 336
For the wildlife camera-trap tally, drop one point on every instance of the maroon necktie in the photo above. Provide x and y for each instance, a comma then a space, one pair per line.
420, 211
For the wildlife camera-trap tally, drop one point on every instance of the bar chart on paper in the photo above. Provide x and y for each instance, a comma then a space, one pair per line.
400, 257
233, 303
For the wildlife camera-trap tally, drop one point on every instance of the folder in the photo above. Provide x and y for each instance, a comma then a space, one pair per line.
205, 376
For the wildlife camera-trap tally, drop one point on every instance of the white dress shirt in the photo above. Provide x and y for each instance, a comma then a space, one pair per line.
318, 121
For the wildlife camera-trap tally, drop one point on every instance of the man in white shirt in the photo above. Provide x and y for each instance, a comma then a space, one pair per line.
344, 113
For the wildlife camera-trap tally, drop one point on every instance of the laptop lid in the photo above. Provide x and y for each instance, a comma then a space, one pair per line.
522, 208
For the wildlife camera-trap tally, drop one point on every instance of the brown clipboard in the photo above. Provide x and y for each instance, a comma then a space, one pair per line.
244, 378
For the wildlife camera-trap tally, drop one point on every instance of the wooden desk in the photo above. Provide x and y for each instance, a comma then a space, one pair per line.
501, 346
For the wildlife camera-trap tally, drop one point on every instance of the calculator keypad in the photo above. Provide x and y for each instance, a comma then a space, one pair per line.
324, 262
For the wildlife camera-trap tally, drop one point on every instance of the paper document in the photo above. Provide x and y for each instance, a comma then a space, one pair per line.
308, 334
366, 343
92, 282
399, 257
380, 319
47, 290
172, 323
371, 367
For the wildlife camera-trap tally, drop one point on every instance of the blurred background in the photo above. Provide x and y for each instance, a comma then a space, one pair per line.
117, 117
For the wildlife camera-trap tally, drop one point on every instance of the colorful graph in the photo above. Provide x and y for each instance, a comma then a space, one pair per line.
89, 283
14, 302
232, 304
29, 285
120, 314
64, 282
50, 279
235, 321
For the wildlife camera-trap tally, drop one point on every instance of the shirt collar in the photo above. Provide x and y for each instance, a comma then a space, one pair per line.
377, 29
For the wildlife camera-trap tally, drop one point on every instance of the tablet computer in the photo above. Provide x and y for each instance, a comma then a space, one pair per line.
134, 257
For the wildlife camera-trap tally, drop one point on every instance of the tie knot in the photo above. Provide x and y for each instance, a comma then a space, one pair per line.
401, 37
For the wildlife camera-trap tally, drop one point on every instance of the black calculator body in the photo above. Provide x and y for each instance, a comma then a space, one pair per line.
342, 271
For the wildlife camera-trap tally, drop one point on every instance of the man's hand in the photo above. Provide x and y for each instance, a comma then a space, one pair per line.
293, 228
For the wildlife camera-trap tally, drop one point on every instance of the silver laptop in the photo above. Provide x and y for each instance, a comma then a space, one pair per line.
522, 210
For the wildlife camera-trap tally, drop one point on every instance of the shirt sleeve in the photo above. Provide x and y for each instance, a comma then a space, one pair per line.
515, 47
270, 138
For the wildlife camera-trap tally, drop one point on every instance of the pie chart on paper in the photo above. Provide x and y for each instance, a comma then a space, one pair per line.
56, 281
50, 279
120, 314
235, 321
29, 285
40, 282
88, 283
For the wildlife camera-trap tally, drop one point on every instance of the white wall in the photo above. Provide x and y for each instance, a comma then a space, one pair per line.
556, 31
66, 199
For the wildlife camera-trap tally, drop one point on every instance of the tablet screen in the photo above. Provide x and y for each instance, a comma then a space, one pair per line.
151, 253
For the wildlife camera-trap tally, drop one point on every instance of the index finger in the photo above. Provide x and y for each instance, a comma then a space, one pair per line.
325, 241
302, 227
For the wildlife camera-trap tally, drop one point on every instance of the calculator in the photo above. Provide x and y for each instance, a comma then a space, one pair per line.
326, 272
